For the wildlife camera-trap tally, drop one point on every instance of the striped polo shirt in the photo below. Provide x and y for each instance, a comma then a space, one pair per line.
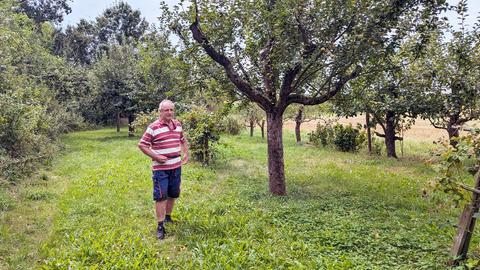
164, 140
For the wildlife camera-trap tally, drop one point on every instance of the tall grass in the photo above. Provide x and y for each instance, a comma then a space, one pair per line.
342, 211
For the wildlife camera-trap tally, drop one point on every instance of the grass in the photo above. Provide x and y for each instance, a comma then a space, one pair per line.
93, 210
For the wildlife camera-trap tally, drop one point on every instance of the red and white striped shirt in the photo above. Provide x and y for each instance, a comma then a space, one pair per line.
164, 140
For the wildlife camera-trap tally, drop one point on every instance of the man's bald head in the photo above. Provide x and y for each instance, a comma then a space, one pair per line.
166, 109
164, 102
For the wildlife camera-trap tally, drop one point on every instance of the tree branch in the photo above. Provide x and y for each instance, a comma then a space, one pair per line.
242, 86
268, 71
379, 120
302, 99
435, 126
383, 136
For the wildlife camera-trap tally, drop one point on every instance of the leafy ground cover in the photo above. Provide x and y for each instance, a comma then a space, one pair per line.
93, 210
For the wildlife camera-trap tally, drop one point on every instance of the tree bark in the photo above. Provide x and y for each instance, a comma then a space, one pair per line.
131, 129
390, 134
453, 132
369, 133
298, 123
262, 128
275, 153
118, 121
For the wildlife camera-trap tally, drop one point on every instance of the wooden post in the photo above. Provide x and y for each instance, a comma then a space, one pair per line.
369, 133
118, 121
466, 225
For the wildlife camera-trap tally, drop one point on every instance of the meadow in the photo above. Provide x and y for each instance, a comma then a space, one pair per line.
92, 209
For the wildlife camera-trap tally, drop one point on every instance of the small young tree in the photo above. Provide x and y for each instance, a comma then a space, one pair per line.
452, 162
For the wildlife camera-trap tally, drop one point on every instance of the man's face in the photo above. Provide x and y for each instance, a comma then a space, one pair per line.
167, 111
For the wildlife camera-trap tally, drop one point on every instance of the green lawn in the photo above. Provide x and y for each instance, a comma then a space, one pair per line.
93, 210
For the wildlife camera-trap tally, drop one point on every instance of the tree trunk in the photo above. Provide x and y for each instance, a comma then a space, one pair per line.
453, 132
276, 171
298, 122
251, 128
369, 133
262, 128
131, 129
390, 134
118, 121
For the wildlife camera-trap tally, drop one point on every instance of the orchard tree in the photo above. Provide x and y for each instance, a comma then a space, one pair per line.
278, 53
117, 82
253, 116
452, 76
389, 94
158, 69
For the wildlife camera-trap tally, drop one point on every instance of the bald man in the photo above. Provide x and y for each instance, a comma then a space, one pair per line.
164, 142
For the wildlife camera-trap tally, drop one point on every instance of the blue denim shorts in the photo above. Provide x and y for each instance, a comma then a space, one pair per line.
166, 184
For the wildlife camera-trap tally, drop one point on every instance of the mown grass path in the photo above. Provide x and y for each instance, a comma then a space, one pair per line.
93, 210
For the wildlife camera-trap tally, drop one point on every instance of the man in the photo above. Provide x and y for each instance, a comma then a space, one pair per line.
163, 141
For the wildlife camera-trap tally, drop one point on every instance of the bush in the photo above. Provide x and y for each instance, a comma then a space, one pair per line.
347, 138
143, 119
230, 125
202, 131
30, 124
343, 138
322, 136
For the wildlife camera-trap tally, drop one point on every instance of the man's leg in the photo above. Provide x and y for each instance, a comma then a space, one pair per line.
160, 186
173, 191
160, 209
170, 204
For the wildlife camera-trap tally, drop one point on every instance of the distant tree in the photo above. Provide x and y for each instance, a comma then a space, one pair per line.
158, 69
79, 43
278, 53
452, 76
45, 10
253, 116
120, 24
301, 114
390, 93
117, 82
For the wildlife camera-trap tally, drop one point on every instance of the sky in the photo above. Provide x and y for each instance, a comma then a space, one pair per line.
150, 9
90, 9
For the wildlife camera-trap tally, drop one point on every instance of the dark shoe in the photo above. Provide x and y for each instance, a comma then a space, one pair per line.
161, 233
169, 219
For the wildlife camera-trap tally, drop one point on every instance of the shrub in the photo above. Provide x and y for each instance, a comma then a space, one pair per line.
343, 138
347, 138
143, 119
203, 131
322, 136
230, 125
30, 123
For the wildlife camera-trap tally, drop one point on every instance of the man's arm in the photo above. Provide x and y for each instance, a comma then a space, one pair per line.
184, 147
147, 151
